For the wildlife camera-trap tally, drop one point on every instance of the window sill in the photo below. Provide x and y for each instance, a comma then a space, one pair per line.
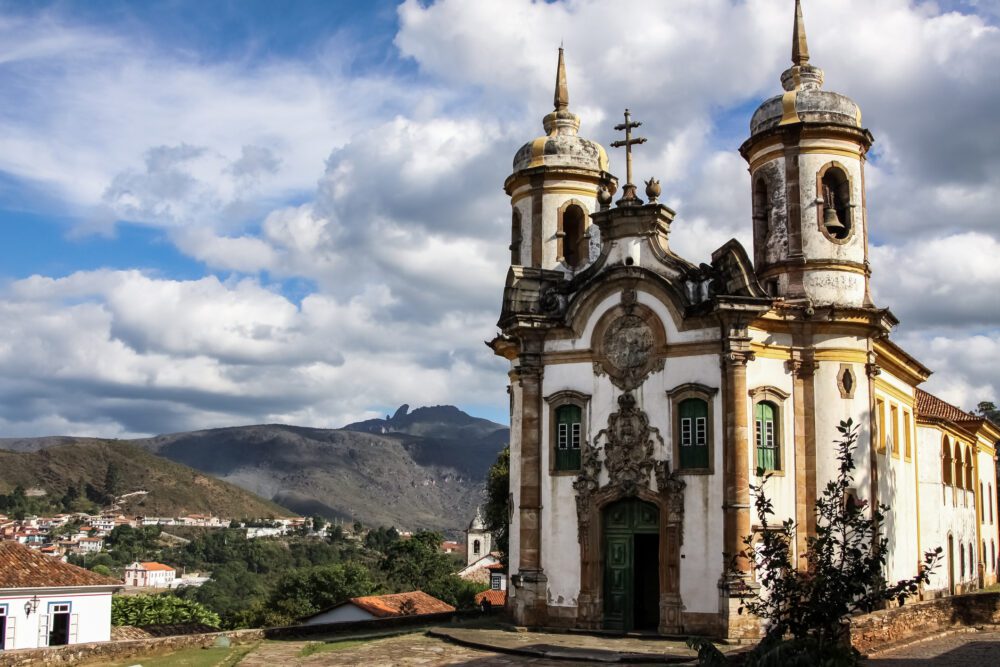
774, 473
564, 473
693, 471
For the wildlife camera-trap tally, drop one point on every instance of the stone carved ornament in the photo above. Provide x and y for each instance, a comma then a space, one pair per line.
627, 347
628, 456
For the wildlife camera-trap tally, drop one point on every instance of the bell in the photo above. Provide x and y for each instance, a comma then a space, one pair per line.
832, 221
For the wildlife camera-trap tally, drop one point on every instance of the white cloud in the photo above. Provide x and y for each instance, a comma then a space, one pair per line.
403, 233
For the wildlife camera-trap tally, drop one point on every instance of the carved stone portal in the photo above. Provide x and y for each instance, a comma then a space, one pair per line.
632, 472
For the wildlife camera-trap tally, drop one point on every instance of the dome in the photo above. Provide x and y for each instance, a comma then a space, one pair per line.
562, 150
562, 146
812, 105
804, 100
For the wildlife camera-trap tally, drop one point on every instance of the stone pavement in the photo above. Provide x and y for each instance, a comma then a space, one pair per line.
571, 646
963, 649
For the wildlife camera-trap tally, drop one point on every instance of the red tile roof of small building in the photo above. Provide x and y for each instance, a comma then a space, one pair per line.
495, 567
21, 567
154, 566
414, 603
495, 598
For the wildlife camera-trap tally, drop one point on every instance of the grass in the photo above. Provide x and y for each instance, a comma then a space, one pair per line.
194, 657
325, 647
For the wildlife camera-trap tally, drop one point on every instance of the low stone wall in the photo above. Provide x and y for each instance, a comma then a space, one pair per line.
881, 629
101, 652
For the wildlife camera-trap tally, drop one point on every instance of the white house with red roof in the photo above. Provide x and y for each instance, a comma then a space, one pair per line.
150, 575
46, 602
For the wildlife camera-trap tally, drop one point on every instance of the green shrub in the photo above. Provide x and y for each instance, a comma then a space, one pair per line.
166, 609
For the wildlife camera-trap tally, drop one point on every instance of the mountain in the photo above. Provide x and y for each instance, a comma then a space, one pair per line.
412, 470
424, 469
173, 489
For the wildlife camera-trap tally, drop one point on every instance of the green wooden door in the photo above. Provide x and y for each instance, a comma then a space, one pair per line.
618, 601
622, 522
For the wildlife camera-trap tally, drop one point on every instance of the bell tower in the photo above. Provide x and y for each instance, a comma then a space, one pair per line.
807, 152
553, 191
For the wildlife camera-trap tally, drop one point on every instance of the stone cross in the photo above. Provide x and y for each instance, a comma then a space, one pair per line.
628, 191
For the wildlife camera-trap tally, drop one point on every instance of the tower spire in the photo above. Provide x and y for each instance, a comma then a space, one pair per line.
800, 49
561, 98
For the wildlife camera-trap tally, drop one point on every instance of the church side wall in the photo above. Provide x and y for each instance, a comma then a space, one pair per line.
945, 511
897, 477
986, 472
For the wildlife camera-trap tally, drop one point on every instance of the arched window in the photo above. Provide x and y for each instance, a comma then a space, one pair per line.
989, 494
835, 195
516, 236
969, 484
693, 415
947, 465
880, 425
961, 561
982, 509
959, 468
569, 425
572, 242
767, 435
972, 560
476, 547
993, 554
761, 207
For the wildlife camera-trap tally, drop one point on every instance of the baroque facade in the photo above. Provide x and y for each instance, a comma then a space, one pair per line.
646, 390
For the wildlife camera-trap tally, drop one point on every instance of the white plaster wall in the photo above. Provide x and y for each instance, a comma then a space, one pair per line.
943, 510
343, 614
831, 409
701, 563
92, 612
988, 532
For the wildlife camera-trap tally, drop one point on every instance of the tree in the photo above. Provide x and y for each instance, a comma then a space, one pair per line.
805, 611
101, 568
112, 482
496, 510
988, 409
380, 539
318, 523
140, 610
306, 591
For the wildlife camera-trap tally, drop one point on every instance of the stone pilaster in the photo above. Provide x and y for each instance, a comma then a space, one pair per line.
736, 489
530, 581
803, 367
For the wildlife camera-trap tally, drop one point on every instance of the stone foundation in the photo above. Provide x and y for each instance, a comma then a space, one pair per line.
881, 629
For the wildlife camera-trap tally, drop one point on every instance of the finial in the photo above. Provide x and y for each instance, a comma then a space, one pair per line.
800, 49
561, 99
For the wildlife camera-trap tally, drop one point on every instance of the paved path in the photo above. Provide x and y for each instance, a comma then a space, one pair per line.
965, 649
410, 650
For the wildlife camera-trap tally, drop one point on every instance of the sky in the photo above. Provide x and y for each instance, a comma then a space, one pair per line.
222, 213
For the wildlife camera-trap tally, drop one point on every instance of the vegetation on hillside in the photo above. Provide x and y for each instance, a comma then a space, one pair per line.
85, 476
496, 510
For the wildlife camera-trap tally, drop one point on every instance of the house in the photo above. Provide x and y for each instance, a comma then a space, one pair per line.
479, 570
90, 545
450, 547
496, 595
372, 607
150, 575
46, 602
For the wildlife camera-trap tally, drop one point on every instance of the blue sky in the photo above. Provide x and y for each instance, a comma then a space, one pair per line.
237, 212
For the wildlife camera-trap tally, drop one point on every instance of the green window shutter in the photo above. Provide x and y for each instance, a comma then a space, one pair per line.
766, 435
569, 429
693, 415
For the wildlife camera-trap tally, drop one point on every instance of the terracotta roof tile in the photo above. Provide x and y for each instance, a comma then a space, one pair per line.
929, 405
495, 598
21, 567
154, 566
402, 604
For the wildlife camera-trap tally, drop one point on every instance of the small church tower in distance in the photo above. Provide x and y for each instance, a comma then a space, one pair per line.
553, 191
478, 540
807, 158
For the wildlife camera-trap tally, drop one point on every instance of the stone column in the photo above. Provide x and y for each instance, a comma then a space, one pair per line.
531, 596
736, 487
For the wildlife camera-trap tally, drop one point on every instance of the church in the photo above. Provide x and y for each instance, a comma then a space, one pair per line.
647, 390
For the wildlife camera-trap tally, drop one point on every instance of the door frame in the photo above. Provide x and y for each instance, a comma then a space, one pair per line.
628, 620
590, 602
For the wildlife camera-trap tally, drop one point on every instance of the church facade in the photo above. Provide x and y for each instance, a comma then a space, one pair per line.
646, 390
